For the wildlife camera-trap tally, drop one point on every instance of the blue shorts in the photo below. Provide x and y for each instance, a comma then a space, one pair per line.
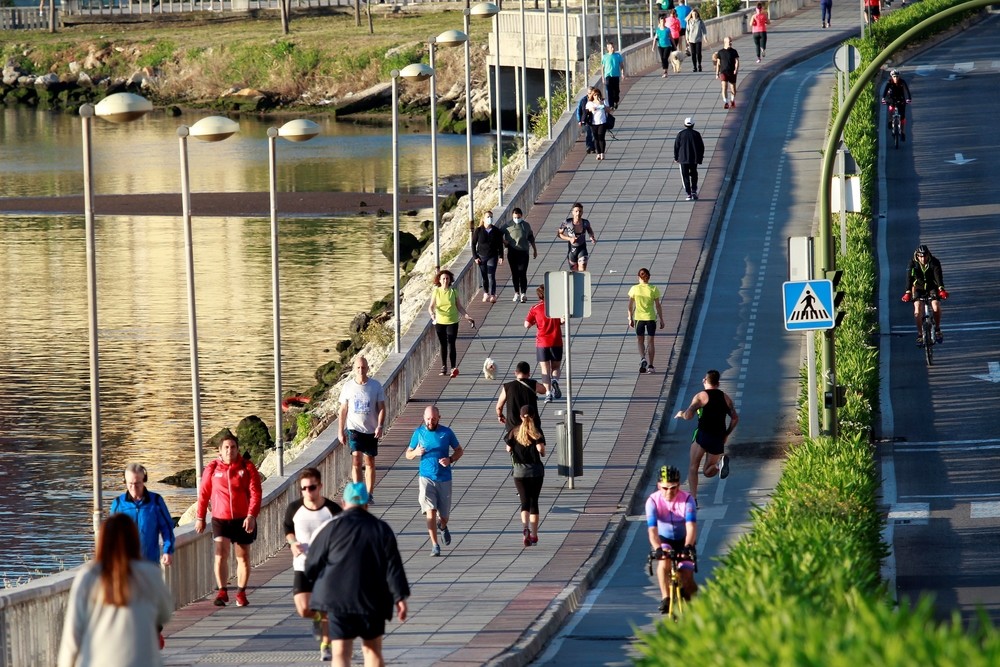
645, 327
351, 626
548, 353
366, 443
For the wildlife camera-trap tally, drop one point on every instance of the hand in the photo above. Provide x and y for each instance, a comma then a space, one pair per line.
477, 261
535, 255
631, 323
942, 293
401, 610
662, 324
199, 526
250, 524
907, 101
444, 461
501, 419
500, 262
658, 553
906, 297
378, 432
167, 560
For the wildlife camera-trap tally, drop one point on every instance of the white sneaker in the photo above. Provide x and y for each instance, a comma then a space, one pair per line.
524, 298
486, 297
515, 298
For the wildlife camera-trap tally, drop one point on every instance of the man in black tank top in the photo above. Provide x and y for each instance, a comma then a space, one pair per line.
517, 393
711, 406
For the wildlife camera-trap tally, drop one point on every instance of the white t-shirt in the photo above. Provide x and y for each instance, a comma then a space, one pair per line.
305, 523
362, 404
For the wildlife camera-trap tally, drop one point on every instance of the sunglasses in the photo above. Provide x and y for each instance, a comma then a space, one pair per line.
672, 486
311, 487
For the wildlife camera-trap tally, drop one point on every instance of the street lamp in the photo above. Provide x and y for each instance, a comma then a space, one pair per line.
446, 38
488, 10
294, 130
211, 129
117, 108
524, 87
414, 72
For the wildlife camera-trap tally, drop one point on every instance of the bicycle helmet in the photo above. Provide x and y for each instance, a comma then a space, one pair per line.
670, 475
894, 72
922, 250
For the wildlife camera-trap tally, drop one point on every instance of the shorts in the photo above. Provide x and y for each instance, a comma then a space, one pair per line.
301, 583
577, 255
232, 530
548, 353
676, 545
435, 496
712, 444
931, 294
352, 626
366, 443
645, 327
728, 77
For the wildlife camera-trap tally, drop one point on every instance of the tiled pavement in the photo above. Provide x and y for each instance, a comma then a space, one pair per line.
489, 599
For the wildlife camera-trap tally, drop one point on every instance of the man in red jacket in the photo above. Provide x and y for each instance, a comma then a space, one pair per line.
232, 485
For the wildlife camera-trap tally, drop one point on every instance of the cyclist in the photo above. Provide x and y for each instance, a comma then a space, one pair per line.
897, 94
923, 276
671, 519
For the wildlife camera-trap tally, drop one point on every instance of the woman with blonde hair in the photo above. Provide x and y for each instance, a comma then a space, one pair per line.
117, 605
526, 446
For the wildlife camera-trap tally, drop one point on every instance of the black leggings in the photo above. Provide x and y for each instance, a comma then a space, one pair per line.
447, 334
599, 132
760, 42
695, 55
664, 52
518, 269
528, 489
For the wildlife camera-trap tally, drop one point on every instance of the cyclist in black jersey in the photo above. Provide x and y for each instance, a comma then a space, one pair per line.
897, 94
923, 276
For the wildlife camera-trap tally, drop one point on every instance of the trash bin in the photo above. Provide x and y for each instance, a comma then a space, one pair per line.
562, 445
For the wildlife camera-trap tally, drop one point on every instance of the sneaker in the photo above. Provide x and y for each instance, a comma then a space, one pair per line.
221, 598
444, 370
664, 605
493, 298
371, 498
524, 297
690, 197
534, 540
325, 654
695, 195
938, 336
650, 369
726, 105
317, 623
556, 391
515, 298
486, 297
454, 372
548, 397
724, 467
241, 599
446, 534
527, 537
758, 59
436, 550
732, 105
920, 340
643, 366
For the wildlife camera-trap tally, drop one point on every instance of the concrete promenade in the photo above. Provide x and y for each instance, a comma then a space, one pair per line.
488, 599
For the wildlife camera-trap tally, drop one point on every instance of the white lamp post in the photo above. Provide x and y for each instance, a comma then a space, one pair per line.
569, 92
548, 71
294, 130
414, 72
117, 108
446, 38
486, 10
524, 86
211, 129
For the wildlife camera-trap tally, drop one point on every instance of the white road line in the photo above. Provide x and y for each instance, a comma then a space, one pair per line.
984, 510
936, 444
915, 513
952, 496
968, 326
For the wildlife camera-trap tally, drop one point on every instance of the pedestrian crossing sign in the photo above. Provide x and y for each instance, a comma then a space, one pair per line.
808, 305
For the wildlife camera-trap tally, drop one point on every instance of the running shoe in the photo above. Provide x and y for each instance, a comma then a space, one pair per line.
548, 397
524, 297
325, 654
534, 540
486, 297
650, 369
454, 372
920, 340
436, 550
241, 599
643, 366
446, 533
515, 299
317, 623
724, 467
732, 105
938, 336
221, 598
695, 195
690, 197
556, 391
493, 298
726, 105
444, 370
664, 605
527, 537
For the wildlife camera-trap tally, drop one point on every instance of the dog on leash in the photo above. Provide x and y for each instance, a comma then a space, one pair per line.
489, 369
676, 58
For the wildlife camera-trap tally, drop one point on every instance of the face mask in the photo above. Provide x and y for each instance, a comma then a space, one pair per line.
489, 222
517, 219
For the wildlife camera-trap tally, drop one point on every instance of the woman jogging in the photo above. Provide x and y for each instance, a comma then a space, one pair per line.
444, 309
526, 446
758, 26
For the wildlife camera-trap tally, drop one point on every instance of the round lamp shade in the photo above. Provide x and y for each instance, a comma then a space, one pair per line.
417, 72
299, 130
214, 128
451, 38
123, 107
485, 10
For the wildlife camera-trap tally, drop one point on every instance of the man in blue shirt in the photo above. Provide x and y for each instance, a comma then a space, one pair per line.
150, 514
614, 70
438, 449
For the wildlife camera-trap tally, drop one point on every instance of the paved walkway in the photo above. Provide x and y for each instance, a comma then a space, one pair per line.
489, 599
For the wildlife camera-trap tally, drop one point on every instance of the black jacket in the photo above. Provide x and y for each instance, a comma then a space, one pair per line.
355, 564
689, 148
487, 245
926, 278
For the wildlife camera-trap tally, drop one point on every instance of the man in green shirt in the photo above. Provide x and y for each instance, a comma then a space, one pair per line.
644, 313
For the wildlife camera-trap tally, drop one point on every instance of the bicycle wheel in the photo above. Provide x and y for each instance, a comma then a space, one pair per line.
895, 132
928, 343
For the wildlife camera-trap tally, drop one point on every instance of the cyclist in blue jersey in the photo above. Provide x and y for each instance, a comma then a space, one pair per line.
671, 518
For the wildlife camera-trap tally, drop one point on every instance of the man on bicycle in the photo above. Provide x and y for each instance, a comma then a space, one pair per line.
923, 277
897, 94
671, 519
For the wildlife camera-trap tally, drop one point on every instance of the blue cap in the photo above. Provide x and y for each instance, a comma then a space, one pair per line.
356, 493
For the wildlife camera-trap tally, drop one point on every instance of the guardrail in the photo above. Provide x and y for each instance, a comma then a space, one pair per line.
25, 18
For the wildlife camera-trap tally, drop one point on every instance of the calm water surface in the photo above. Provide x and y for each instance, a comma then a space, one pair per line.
330, 269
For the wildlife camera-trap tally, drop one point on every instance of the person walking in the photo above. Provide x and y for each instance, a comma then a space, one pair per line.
826, 12
584, 121
662, 44
575, 231
444, 309
599, 109
437, 447
683, 12
613, 66
358, 578
674, 26
758, 26
526, 446
303, 519
150, 514
695, 36
517, 393
231, 485
644, 313
712, 406
727, 66
487, 251
519, 238
689, 151
362, 421
548, 344
117, 604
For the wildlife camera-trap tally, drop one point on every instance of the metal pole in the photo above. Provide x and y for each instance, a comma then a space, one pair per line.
182, 134
548, 72
397, 331
524, 85
272, 165
468, 120
586, 47
434, 159
86, 116
569, 91
618, 24
496, 33
600, 17
570, 421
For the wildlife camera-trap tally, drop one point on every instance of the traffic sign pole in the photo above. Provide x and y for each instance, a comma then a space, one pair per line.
570, 421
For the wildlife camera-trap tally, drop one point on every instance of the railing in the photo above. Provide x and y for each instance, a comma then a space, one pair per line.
25, 18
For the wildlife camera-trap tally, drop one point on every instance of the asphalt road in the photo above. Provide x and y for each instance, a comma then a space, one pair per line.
941, 453
741, 333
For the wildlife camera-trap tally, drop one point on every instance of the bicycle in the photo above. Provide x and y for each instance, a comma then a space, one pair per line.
676, 597
895, 124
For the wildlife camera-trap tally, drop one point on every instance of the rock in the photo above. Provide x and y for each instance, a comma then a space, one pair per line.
377, 96
47, 80
254, 437
359, 323
185, 479
83, 80
74, 67
409, 246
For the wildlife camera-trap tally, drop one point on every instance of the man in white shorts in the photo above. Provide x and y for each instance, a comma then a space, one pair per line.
438, 449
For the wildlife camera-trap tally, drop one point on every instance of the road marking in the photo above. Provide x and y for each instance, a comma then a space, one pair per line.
993, 374
969, 326
961, 159
932, 445
964, 68
953, 496
914, 514
984, 510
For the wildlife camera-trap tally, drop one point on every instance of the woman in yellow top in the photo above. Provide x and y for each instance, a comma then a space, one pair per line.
644, 310
444, 309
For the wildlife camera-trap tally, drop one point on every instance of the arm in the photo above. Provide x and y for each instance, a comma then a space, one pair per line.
654, 537
531, 241
433, 305
539, 388
659, 311
165, 527
465, 313
734, 418
631, 310
593, 239
475, 246
501, 402
455, 455
699, 401
204, 492
256, 492
690, 533
342, 424
380, 429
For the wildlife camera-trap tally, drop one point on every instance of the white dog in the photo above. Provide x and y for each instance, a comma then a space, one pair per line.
489, 369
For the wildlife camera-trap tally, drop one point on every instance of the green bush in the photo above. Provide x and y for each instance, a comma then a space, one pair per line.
160, 53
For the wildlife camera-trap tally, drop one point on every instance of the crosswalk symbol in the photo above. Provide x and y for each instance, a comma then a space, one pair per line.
808, 305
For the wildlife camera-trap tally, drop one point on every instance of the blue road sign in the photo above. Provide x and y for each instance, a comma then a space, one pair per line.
808, 305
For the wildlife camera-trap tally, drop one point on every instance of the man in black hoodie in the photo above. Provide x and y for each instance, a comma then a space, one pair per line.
689, 151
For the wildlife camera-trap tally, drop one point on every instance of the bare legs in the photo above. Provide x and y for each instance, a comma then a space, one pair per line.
711, 466
369, 473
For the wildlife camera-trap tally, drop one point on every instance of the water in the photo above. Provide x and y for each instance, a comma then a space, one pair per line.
330, 270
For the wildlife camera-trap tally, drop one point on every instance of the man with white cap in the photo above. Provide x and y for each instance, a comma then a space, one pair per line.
689, 151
